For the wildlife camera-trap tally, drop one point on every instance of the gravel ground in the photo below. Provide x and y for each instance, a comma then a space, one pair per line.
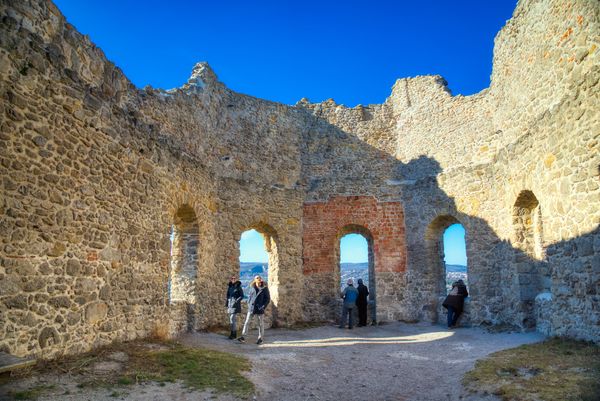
395, 361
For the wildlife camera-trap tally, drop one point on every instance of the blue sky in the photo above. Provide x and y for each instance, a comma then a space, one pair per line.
351, 51
455, 252
252, 247
354, 249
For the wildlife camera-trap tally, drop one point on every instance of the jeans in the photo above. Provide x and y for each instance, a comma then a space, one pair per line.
452, 316
233, 321
261, 324
346, 310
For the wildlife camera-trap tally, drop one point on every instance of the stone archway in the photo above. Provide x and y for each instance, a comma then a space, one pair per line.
183, 269
434, 249
366, 234
270, 243
531, 269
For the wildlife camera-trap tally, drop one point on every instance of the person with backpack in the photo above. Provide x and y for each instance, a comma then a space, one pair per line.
455, 302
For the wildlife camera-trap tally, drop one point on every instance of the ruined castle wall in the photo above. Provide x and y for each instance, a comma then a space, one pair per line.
548, 114
544, 138
94, 173
467, 159
251, 147
88, 198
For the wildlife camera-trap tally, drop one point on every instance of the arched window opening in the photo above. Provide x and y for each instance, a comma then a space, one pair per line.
446, 256
355, 259
455, 255
259, 255
254, 258
184, 256
532, 271
527, 220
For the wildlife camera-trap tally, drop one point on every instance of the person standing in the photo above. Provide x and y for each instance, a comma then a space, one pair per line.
349, 296
361, 303
455, 302
258, 300
235, 294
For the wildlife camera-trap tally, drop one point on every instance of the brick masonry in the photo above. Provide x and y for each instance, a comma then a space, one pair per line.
325, 223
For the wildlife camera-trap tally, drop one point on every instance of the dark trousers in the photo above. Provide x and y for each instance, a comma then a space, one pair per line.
362, 314
453, 315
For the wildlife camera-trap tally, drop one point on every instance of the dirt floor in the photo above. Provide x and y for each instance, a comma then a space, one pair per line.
395, 361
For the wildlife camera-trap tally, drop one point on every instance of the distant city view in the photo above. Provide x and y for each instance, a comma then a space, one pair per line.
354, 271
250, 269
347, 270
455, 272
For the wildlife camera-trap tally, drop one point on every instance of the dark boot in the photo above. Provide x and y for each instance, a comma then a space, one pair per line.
232, 335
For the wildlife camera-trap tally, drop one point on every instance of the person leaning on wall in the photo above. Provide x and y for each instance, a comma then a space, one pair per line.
235, 294
455, 302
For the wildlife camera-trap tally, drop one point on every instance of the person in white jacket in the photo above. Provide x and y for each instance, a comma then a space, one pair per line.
258, 300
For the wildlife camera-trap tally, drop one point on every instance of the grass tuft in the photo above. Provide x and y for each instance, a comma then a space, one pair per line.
556, 369
157, 361
196, 368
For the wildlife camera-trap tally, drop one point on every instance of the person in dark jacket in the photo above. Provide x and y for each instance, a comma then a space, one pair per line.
233, 303
258, 300
361, 303
455, 301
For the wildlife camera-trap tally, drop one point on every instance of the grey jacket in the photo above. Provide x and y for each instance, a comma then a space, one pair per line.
251, 292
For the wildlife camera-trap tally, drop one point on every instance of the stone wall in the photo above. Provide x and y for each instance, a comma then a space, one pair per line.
95, 175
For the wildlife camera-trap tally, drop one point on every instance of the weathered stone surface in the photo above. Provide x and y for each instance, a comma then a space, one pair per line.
95, 312
97, 174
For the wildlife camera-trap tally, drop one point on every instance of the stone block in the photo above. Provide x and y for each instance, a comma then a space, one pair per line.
95, 312
73, 267
62, 301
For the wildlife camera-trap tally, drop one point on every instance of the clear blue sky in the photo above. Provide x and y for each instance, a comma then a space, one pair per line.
354, 249
351, 51
252, 247
455, 252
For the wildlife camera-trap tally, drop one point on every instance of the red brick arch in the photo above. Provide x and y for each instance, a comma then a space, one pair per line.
324, 221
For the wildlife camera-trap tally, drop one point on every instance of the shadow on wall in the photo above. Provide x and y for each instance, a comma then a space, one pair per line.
554, 288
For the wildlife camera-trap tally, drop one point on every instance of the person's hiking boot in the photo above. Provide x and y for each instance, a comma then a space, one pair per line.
242, 339
232, 335
260, 341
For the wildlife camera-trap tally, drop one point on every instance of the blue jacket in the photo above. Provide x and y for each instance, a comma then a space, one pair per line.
350, 294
